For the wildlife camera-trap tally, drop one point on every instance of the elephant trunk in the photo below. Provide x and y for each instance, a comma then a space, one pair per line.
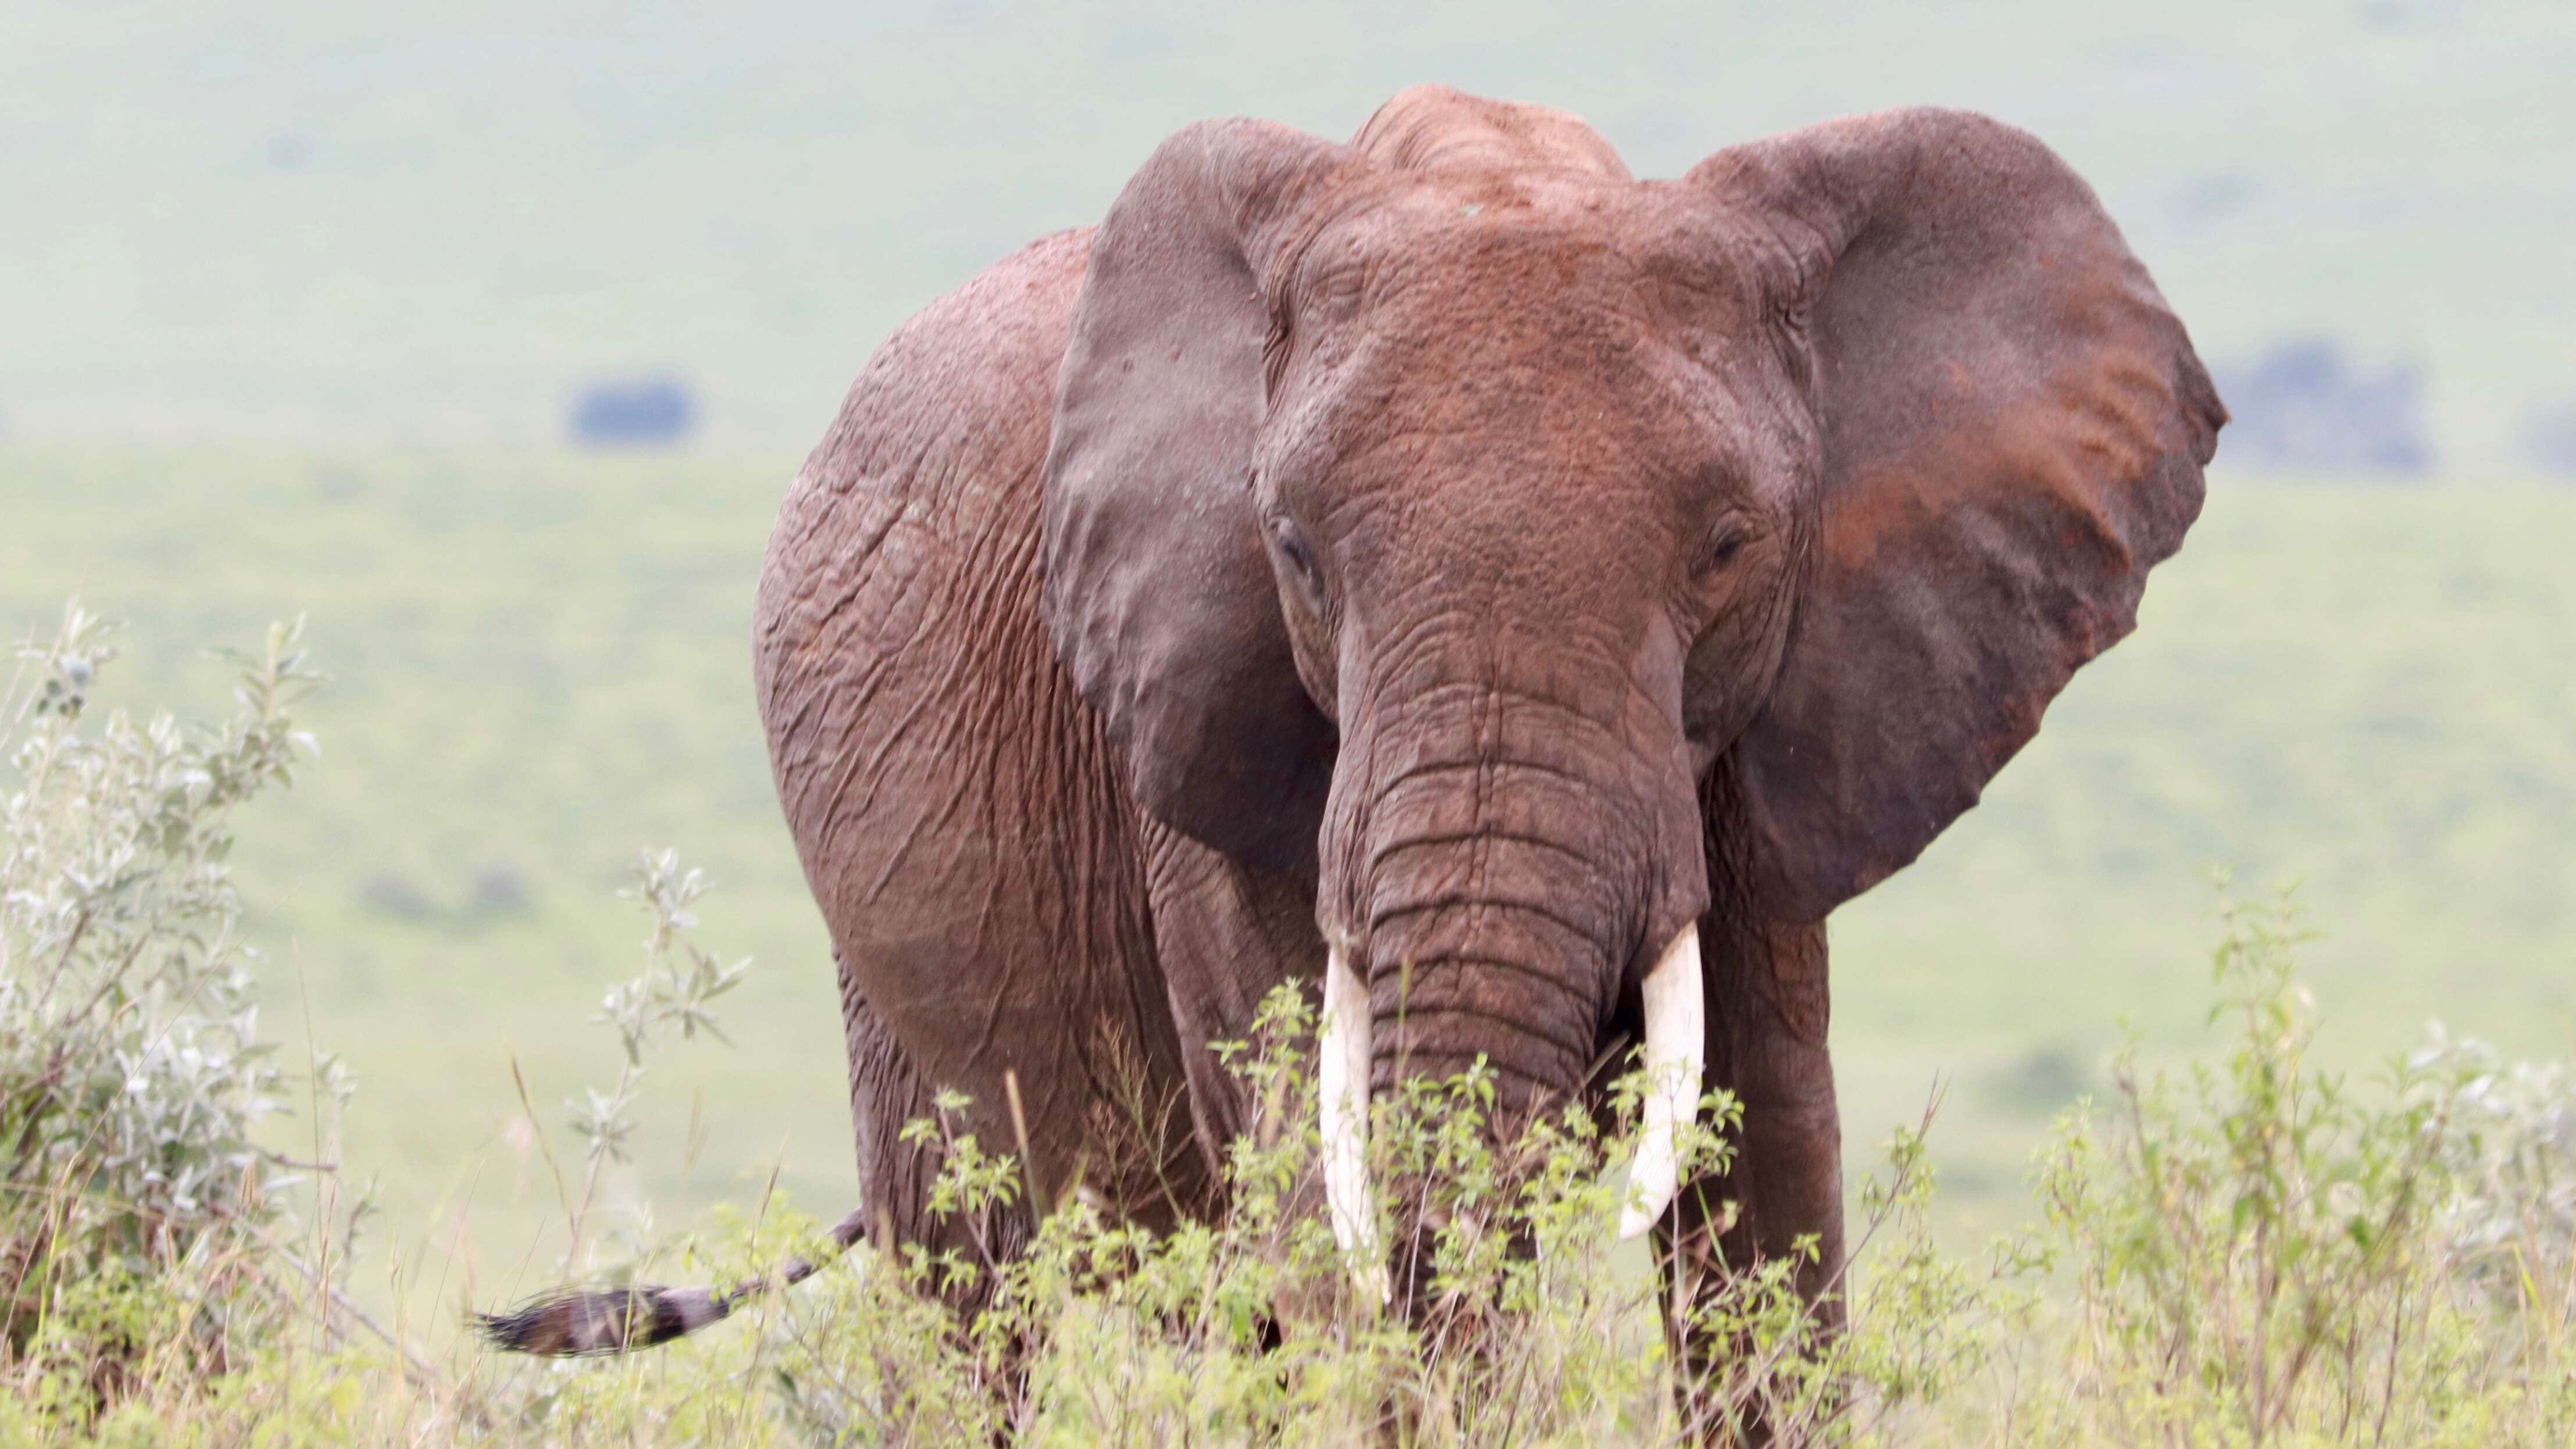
1499, 907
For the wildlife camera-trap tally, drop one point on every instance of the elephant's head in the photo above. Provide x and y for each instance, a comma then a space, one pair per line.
1431, 515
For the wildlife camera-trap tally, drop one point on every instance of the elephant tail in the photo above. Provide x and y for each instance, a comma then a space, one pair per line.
583, 1323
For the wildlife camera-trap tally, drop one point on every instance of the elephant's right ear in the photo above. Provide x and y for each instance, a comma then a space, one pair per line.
1157, 589
2013, 430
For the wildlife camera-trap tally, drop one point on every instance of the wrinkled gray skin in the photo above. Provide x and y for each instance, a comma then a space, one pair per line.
1449, 545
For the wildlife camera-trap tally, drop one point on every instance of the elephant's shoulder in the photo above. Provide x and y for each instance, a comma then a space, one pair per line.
911, 533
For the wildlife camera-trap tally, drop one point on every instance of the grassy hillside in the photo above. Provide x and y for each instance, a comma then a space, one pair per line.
300, 220
541, 665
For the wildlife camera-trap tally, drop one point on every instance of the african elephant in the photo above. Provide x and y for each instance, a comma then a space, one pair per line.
1447, 555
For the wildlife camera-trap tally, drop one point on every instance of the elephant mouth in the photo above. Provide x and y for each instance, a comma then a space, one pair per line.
1675, 1062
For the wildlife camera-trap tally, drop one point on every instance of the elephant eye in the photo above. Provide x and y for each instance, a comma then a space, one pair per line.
1723, 546
1300, 554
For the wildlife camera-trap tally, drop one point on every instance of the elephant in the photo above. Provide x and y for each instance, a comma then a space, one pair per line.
1517, 600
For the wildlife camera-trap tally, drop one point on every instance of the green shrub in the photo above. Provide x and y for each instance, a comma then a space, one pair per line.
1249, 1330
2511, 1153
2260, 1253
137, 1237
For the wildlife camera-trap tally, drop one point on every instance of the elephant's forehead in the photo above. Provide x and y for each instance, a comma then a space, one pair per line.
1543, 240
1453, 217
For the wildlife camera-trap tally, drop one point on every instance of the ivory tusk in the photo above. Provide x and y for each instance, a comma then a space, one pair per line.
1341, 1098
1676, 1057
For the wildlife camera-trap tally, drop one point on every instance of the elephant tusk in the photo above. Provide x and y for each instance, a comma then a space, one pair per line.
1341, 1102
1676, 1055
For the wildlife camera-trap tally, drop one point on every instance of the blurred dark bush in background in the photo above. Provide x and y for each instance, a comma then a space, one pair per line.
390, 894
2304, 406
647, 412
2550, 440
500, 889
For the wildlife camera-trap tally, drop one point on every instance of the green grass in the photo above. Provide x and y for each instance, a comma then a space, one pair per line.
540, 663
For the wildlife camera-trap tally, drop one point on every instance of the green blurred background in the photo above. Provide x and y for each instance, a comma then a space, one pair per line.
299, 305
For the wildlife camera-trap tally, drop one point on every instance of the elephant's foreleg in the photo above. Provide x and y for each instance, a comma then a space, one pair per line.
1781, 1196
1225, 934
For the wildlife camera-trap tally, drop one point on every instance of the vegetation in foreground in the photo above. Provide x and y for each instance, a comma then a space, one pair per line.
2246, 1251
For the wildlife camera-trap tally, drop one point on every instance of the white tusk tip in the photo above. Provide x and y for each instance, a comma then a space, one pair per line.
1635, 1220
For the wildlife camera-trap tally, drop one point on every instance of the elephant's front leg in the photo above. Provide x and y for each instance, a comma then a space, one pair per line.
1225, 934
1782, 1193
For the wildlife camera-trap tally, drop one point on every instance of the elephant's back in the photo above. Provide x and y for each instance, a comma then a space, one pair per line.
952, 800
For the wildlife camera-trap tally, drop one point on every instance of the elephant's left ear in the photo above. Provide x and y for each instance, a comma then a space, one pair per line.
2014, 426
1157, 590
